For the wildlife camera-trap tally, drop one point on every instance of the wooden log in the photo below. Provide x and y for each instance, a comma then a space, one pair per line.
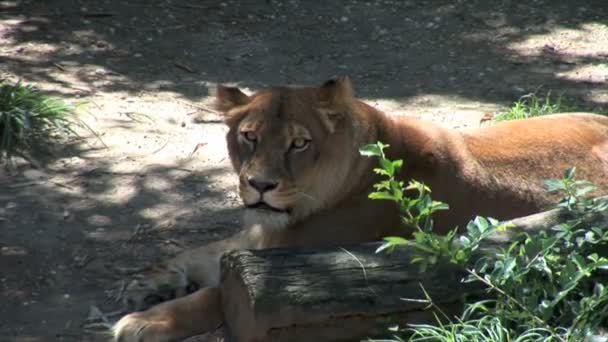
346, 293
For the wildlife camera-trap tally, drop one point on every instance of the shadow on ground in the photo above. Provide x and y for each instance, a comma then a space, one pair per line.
394, 49
67, 237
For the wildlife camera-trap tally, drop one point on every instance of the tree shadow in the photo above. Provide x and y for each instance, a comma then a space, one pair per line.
65, 244
394, 49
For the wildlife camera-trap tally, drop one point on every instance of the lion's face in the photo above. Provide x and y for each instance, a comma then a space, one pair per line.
290, 150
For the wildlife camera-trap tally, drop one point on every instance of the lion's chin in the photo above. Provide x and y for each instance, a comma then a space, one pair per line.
267, 219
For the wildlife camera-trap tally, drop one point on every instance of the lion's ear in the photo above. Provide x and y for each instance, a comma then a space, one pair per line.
227, 98
334, 96
336, 91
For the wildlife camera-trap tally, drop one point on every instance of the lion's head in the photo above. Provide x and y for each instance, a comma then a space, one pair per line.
294, 148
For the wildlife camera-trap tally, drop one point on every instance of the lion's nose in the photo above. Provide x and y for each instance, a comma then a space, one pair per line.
262, 186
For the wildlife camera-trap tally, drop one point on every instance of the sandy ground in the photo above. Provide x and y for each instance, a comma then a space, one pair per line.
102, 208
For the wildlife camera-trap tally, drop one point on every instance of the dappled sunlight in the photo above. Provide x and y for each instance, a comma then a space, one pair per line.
438, 108
594, 74
156, 183
163, 211
174, 57
12, 251
586, 41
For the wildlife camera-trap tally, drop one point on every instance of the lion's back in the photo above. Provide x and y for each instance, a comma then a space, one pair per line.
522, 153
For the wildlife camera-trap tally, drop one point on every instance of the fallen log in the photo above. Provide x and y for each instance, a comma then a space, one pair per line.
348, 293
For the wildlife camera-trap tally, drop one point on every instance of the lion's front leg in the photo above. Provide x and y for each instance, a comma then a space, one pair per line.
183, 310
173, 279
174, 320
180, 276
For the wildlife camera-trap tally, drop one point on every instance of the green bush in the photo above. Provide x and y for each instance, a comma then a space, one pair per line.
546, 287
28, 118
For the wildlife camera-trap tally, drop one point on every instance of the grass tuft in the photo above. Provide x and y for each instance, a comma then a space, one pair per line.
531, 105
29, 118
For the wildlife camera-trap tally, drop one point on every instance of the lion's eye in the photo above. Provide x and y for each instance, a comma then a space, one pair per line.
249, 136
300, 144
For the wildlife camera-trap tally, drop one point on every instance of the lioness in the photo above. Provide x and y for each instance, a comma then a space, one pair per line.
303, 182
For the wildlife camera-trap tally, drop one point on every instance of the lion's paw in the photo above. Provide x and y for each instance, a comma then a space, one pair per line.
142, 327
156, 286
174, 320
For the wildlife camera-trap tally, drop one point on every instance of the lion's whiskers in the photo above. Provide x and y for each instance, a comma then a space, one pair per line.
304, 194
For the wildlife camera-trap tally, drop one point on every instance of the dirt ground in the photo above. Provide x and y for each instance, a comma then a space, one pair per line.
102, 208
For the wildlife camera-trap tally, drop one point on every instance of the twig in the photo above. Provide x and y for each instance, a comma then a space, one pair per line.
98, 318
201, 107
129, 270
162, 147
96, 314
94, 172
24, 184
61, 185
118, 294
85, 261
98, 15
58, 66
82, 89
199, 145
189, 6
97, 325
208, 121
96, 105
133, 116
184, 67
362, 268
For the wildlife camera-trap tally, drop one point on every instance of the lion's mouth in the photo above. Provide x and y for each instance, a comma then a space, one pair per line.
265, 206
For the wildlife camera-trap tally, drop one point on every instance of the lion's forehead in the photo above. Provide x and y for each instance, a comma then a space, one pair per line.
281, 106
276, 128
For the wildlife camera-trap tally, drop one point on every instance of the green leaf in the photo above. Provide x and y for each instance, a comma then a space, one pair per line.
388, 166
381, 172
385, 246
396, 240
391, 243
579, 261
439, 206
505, 226
371, 150
593, 257
383, 185
585, 190
554, 185
570, 172
397, 165
482, 223
461, 256
381, 195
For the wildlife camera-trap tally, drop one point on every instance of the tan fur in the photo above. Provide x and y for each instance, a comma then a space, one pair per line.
322, 189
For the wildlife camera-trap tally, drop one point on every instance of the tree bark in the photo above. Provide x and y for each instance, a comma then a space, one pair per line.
348, 293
